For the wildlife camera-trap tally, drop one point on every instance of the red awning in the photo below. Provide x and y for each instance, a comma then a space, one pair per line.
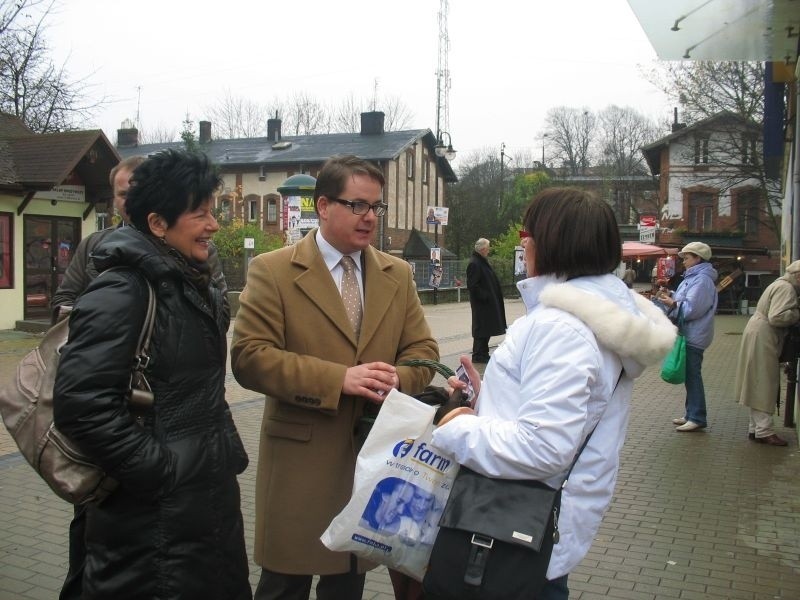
636, 249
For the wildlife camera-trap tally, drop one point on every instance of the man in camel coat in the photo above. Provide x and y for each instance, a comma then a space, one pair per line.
294, 343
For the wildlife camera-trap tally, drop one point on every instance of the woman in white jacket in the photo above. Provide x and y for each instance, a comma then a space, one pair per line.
565, 367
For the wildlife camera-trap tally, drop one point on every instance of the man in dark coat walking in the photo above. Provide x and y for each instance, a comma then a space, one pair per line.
485, 300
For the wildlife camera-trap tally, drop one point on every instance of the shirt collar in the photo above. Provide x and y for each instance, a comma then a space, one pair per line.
332, 256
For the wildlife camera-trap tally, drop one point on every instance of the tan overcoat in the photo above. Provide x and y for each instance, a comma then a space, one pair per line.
758, 372
292, 341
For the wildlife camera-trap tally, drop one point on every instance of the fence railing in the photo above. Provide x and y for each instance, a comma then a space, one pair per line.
454, 276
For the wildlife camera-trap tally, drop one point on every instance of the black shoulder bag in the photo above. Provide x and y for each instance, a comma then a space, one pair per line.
495, 537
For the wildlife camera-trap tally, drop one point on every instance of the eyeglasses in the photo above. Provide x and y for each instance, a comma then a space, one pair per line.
361, 207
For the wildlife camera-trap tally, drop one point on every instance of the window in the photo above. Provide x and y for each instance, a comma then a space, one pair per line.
410, 165
701, 150
262, 176
225, 209
272, 211
701, 208
749, 156
6, 246
252, 210
426, 165
748, 212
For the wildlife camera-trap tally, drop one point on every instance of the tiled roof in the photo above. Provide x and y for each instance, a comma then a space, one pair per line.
40, 161
48, 159
305, 149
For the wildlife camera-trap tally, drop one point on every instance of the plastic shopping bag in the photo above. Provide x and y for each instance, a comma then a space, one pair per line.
401, 486
673, 369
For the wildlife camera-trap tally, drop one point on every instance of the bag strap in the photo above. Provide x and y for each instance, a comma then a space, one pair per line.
140, 394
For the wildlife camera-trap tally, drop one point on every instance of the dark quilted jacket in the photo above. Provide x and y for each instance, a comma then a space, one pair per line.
173, 529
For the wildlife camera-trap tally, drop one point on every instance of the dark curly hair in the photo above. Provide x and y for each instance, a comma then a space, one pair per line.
170, 183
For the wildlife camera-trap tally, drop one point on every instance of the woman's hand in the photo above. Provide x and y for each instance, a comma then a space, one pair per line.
457, 412
454, 383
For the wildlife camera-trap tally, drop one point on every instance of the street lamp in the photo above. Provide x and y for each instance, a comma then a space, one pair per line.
503, 157
444, 151
544, 137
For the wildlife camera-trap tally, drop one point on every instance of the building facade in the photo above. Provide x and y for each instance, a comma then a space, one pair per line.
255, 169
54, 190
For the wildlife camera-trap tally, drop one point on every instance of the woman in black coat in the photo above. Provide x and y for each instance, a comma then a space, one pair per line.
173, 528
485, 300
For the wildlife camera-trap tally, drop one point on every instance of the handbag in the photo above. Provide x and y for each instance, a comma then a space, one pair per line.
790, 349
673, 369
26, 404
400, 486
496, 537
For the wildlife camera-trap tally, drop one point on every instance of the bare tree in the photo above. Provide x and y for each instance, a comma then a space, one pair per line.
237, 117
398, 114
706, 88
570, 131
346, 115
623, 131
305, 115
32, 87
157, 135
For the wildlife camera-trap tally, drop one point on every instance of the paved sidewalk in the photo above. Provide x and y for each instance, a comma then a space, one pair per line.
706, 515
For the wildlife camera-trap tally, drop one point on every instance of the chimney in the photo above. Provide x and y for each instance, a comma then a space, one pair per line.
274, 129
205, 132
372, 123
127, 137
675, 125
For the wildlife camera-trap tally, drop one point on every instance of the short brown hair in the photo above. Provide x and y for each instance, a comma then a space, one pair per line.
129, 163
332, 178
575, 233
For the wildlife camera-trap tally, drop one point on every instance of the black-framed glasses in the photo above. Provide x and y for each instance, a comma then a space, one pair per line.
361, 207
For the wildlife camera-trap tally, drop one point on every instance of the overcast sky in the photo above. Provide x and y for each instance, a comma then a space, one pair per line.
509, 60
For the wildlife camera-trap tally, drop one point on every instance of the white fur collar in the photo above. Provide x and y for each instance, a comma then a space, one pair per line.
646, 337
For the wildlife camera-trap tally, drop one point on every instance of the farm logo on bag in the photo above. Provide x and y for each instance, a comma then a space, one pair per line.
422, 453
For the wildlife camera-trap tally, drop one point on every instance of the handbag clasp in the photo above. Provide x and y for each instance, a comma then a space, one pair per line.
482, 540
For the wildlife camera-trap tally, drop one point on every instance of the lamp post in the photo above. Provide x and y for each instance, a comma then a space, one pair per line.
503, 157
447, 152
544, 137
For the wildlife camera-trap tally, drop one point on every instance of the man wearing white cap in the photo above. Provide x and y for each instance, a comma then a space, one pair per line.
695, 301
758, 372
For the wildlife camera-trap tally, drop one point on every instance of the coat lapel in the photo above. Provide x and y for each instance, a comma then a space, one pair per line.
380, 290
316, 282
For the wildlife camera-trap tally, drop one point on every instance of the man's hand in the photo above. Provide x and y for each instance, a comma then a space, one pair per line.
371, 380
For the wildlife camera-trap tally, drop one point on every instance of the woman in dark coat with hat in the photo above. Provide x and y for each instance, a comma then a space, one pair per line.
173, 528
485, 300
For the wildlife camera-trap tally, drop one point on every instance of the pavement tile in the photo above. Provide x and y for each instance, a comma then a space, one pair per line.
726, 511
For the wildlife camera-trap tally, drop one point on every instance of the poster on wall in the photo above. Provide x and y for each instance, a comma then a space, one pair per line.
437, 215
519, 261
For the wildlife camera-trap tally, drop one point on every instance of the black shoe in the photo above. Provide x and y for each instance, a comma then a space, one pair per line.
772, 440
751, 436
480, 359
